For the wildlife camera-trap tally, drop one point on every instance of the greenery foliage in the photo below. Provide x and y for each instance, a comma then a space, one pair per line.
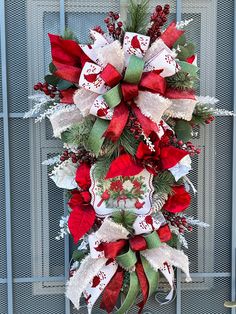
138, 17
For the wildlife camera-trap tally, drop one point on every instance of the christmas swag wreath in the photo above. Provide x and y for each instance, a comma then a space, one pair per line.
124, 106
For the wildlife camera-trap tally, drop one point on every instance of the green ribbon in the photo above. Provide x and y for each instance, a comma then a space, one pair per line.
113, 96
133, 75
127, 260
152, 276
96, 138
153, 240
131, 295
188, 68
134, 70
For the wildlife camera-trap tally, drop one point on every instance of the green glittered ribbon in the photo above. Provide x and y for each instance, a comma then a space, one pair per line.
131, 295
96, 138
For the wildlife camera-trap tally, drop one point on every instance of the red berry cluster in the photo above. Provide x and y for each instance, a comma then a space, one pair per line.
178, 222
113, 25
158, 19
189, 147
209, 119
134, 126
80, 156
48, 90
98, 29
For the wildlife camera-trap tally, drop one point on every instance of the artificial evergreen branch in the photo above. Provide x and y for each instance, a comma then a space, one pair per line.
201, 114
163, 182
125, 217
138, 17
182, 81
128, 142
68, 34
79, 133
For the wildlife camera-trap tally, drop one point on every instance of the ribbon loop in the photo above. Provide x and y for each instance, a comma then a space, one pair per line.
127, 260
134, 70
153, 240
113, 96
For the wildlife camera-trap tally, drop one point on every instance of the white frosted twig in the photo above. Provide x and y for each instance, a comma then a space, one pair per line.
51, 161
182, 24
223, 112
54, 109
195, 222
40, 102
203, 100
180, 236
63, 224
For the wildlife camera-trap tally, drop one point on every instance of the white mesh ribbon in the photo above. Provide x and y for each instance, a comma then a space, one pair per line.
83, 100
64, 118
113, 54
166, 254
81, 278
152, 105
181, 109
111, 231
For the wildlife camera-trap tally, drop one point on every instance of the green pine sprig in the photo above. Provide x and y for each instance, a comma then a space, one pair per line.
126, 218
138, 17
182, 81
201, 114
78, 134
163, 182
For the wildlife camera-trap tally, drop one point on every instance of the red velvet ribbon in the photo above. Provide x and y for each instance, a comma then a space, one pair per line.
153, 81
138, 243
110, 75
129, 91
143, 282
112, 291
118, 122
113, 249
164, 233
171, 35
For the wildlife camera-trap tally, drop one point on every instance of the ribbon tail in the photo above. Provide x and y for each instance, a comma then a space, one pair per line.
143, 282
118, 122
152, 276
131, 295
112, 291
97, 285
148, 125
96, 139
81, 278
171, 35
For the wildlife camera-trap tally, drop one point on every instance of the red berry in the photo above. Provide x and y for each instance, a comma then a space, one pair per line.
208, 121
36, 87
111, 14
62, 158
158, 8
190, 228
180, 142
119, 24
116, 16
107, 20
111, 28
167, 6
198, 151
181, 230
